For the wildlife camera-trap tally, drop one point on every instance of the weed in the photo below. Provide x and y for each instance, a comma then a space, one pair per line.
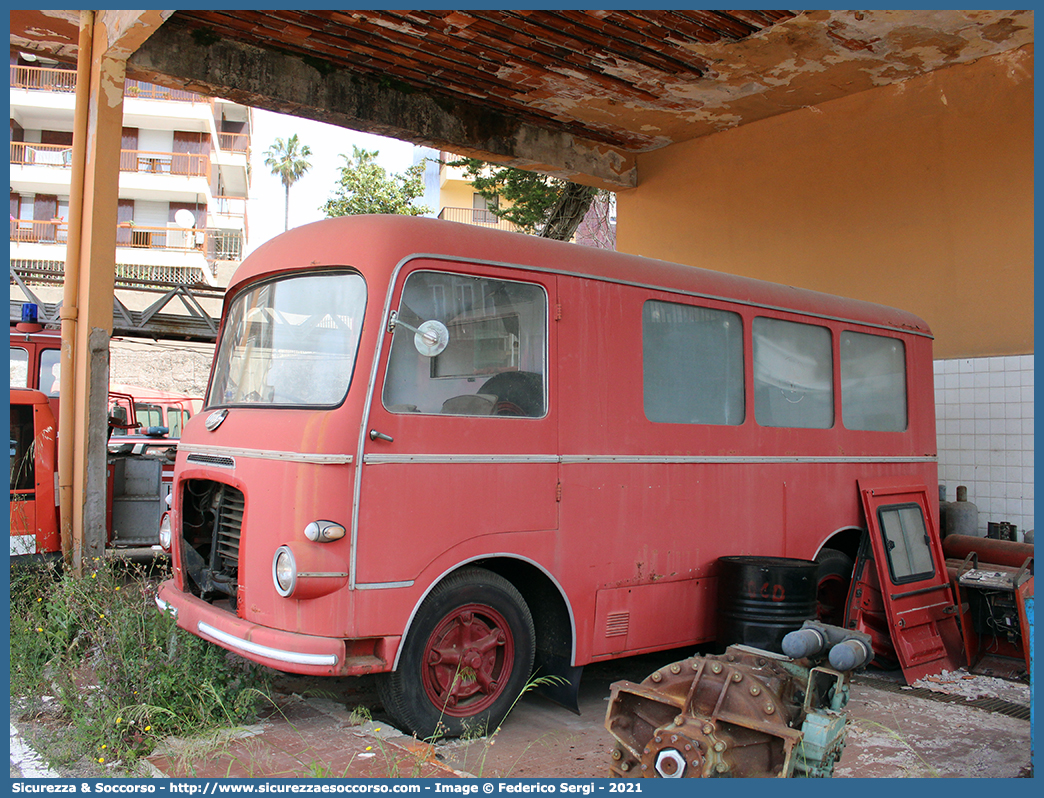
359, 716
123, 674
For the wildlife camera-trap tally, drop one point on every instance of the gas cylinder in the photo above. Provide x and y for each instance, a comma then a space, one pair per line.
960, 517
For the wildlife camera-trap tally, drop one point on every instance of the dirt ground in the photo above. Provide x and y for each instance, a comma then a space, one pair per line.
327, 728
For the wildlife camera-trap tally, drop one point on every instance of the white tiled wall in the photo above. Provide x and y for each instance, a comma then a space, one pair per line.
984, 423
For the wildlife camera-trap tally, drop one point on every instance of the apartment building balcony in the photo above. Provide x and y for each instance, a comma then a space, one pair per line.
43, 79
227, 213
234, 142
165, 248
475, 216
45, 169
40, 96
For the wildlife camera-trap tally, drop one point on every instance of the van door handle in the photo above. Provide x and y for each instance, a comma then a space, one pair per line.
374, 435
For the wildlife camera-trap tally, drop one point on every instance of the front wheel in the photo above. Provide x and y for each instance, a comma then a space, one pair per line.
465, 660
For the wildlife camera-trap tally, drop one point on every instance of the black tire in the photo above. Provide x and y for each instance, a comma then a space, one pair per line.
832, 584
466, 659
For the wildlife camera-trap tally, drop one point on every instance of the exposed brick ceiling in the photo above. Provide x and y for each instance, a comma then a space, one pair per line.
633, 79
522, 63
574, 93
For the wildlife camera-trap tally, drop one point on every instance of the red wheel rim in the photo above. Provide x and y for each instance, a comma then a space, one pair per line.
468, 660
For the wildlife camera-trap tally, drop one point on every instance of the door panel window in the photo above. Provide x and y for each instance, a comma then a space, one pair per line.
906, 543
486, 350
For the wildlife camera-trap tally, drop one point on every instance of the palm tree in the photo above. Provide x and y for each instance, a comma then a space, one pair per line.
289, 160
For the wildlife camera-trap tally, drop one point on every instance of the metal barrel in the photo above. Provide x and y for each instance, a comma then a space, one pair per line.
760, 599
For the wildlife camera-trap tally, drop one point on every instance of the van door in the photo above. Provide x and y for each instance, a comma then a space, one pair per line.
911, 571
33, 507
23, 481
461, 452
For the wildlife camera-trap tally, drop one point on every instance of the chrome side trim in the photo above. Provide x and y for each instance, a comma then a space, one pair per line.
165, 607
385, 459
383, 585
268, 652
577, 459
266, 454
574, 459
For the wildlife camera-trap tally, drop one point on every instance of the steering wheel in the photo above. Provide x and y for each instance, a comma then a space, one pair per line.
505, 408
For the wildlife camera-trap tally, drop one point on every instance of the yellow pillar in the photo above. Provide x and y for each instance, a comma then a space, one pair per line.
107, 38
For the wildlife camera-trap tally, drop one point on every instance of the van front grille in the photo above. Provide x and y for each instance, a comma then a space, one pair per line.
211, 533
229, 529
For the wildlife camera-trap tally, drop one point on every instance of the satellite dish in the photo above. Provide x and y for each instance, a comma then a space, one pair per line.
185, 218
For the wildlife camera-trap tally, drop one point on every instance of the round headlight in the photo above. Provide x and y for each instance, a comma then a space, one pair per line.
165, 532
284, 571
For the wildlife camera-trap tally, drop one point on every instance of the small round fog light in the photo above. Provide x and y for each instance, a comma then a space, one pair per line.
284, 571
165, 532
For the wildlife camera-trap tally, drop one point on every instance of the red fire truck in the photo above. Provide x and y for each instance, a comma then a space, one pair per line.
449, 455
144, 425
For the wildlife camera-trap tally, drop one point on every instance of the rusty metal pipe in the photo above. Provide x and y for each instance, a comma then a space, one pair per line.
998, 552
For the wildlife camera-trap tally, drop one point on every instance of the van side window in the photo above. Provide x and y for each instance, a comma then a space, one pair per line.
19, 367
495, 361
793, 374
873, 382
692, 364
51, 371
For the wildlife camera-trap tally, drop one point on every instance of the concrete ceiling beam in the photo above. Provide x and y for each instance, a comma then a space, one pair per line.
314, 89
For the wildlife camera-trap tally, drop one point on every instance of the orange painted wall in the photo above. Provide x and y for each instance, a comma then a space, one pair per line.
917, 195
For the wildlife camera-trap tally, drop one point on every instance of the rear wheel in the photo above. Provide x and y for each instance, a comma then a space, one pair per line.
833, 580
466, 659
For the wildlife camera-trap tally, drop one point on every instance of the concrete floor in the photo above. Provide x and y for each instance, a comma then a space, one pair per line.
892, 734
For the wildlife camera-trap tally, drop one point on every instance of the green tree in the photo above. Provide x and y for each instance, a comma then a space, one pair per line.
535, 203
365, 187
289, 160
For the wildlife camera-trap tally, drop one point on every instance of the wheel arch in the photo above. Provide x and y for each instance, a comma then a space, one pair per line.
552, 613
846, 540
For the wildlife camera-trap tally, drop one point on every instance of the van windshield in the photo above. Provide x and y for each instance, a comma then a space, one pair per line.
290, 342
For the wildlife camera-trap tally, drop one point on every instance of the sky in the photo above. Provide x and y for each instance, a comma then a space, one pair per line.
308, 194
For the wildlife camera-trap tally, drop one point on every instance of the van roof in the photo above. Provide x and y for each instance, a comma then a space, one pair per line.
377, 244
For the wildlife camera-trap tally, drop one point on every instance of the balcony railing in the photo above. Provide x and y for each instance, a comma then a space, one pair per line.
28, 154
214, 244
64, 80
155, 163
170, 238
43, 78
224, 245
32, 231
475, 216
183, 164
234, 142
229, 206
150, 91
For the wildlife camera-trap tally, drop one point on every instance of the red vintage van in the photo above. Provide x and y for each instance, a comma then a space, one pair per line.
455, 457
